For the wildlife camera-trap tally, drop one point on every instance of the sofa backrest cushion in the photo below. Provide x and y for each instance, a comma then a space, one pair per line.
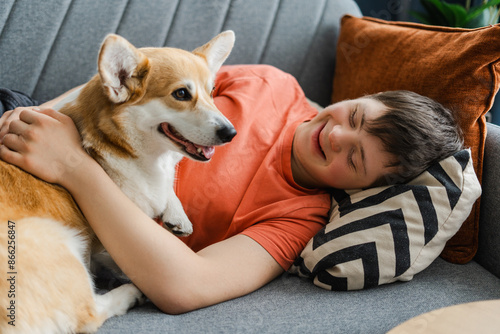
51, 46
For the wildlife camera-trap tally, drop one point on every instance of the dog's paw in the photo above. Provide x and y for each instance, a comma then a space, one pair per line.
178, 224
119, 300
132, 294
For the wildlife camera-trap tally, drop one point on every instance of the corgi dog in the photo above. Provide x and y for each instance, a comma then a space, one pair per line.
144, 110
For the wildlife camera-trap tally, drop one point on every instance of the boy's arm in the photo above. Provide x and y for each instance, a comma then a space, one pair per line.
176, 279
50, 104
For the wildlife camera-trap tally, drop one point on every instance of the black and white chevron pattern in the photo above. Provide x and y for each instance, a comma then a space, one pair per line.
384, 234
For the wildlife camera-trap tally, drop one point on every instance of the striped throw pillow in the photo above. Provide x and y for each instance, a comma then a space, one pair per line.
387, 234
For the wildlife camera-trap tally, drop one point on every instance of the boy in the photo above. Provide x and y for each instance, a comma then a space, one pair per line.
260, 199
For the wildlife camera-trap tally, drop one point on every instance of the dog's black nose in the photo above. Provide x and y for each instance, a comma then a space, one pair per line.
226, 133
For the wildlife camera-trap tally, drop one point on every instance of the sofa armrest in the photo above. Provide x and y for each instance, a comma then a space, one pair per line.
488, 254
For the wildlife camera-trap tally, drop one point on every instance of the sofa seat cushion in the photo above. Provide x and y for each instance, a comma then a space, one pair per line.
290, 304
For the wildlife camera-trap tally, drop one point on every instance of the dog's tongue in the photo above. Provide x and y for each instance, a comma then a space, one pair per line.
208, 151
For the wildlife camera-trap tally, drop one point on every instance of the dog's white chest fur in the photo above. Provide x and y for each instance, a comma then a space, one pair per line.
144, 182
149, 183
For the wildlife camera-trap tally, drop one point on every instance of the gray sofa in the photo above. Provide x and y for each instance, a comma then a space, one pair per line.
50, 46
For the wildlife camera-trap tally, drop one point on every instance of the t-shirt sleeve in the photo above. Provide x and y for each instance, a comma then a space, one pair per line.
285, 237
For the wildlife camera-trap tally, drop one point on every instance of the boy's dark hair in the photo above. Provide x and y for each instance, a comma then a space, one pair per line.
416, 130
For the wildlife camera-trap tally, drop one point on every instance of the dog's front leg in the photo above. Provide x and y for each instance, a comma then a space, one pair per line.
174, 218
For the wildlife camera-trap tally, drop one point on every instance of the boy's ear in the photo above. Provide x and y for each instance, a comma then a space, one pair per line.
123, 69
217, 50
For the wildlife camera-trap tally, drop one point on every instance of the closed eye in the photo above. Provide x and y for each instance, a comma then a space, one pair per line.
350, 161
352, 115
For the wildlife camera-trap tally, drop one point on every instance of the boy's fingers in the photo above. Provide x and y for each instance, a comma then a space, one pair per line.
54, 114
4, 123
17, 127
30, 116
13, 142
10, 156
5, 116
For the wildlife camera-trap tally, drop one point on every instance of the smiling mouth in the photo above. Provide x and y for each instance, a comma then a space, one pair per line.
195, 151
316, 140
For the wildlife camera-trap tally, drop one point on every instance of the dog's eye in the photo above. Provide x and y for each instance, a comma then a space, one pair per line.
212, 92
182, 94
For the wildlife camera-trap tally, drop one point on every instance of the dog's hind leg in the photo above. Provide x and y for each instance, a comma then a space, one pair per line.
52, 291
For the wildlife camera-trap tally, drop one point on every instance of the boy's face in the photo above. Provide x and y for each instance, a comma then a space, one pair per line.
333, 150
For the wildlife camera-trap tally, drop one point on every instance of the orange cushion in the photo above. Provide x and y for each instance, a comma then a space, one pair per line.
457, 67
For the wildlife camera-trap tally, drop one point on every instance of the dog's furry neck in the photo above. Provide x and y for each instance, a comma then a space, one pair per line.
100, 135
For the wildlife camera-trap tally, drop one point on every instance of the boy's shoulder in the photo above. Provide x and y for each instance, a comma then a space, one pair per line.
252, 72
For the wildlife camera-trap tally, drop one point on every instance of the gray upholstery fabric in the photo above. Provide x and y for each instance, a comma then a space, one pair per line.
50, 46
293, 305
489, 232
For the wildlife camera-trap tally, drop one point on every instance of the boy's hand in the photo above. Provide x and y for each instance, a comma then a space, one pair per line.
9, 116
44, 143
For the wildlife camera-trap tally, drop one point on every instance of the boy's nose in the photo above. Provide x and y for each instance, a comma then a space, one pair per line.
334, 139
339, 138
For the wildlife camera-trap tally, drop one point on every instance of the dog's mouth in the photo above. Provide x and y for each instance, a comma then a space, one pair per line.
198, 152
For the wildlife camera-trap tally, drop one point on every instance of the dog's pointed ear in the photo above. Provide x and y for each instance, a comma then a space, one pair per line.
123, 69
217, 50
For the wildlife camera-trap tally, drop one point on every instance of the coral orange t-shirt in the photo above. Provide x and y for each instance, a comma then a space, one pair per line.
248, 185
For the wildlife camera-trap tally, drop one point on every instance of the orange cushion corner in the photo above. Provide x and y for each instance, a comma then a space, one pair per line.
456, 67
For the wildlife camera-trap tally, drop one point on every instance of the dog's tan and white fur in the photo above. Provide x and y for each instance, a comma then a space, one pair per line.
143, 111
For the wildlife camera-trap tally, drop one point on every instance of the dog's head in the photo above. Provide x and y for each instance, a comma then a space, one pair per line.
162, 98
